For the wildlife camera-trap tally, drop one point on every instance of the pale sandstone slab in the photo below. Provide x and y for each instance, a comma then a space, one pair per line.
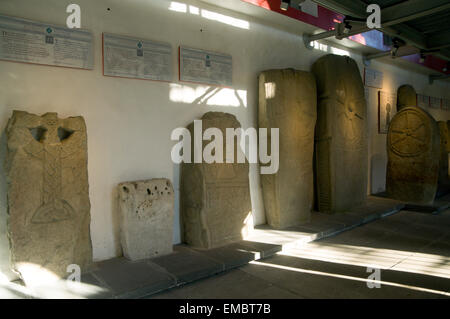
341, 134
406, 96
288, 101
216, 205
413, 147
146, 218
48, 194
445, 145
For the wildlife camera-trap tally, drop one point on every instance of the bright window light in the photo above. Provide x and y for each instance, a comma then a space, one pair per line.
178, 7
225, 19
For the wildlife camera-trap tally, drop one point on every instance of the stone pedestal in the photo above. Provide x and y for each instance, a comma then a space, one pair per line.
288, 101
216, 204
406, 96
413, 147
341, 134
146, 218
48, 194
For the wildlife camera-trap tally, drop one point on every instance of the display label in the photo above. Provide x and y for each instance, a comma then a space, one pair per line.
136, 58
206, 67
34, 42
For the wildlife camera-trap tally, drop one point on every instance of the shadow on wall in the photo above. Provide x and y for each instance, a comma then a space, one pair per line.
115, 219
5, 270
206, 95
377, 174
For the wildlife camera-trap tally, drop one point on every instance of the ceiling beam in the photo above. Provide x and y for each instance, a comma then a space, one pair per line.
438, 40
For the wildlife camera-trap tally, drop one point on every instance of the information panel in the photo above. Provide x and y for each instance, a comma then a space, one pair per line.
136, 58
435, 102
201, 66
34, 42
423, 101
373, 78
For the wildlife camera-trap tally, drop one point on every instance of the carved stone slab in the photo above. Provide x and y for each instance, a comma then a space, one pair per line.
288, 101
341, 137
413, 147
48, 193
406, 96
216, 204
445, 145
146, 218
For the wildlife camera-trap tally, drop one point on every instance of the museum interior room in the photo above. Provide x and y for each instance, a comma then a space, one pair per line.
212, 149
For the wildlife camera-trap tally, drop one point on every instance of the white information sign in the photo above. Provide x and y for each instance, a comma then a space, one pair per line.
34, 42
373, 78
136, 58
423, 101
446, 104
435, 102
201, 66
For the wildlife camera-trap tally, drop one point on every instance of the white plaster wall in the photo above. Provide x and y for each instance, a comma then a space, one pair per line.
129, 121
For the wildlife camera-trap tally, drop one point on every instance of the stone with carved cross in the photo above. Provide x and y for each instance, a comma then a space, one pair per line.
48, 193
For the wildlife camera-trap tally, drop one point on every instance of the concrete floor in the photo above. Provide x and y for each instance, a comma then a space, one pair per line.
410, 249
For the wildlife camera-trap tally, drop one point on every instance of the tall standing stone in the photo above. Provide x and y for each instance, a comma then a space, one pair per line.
406, 96
413, 147
288, 101
445, 148
48, 193
216, 204
341, 136
146, 218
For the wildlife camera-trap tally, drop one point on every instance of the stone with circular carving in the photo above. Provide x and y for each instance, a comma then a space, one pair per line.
413, 146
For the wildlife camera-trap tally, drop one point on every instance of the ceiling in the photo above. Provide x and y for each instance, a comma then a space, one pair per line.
424, 24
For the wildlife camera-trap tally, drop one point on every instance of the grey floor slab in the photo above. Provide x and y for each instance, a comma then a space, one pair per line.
231, 256
128, 279
187, 265
230, 285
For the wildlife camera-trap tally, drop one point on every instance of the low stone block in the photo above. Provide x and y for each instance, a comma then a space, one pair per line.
146, 218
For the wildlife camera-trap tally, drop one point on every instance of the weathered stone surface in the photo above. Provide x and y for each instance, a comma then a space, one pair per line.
445, 145
216, 205
406, 96
48, 193
288, 101
413, 147
341, 136
146, 218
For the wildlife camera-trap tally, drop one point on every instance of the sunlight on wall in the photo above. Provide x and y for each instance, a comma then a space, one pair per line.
178, 7
329, 49
225, 19
248, 226
210, 15
213, 96
270, 90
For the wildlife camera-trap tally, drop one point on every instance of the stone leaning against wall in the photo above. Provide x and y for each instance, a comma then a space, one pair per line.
413, 147
288, 101
406, 96
146, 218
341, 134
48, 193
215, 198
